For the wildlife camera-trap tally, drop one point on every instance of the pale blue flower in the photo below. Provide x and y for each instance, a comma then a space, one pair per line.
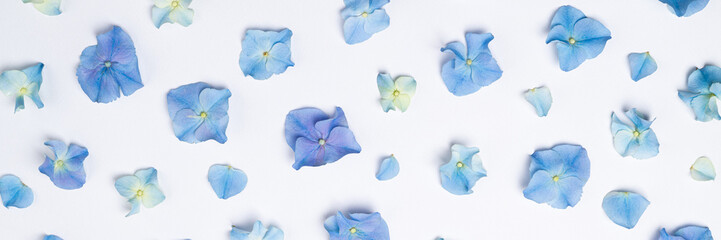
636, 139
470, 68
20, 84
47, 7
66, 168
226, 180
360, 226
558, 175
52, 237
624, 208
259, 232
318, 139
541, 100
665, 236
265, 53
363, 18
703, 170
690, 232
140, 188
642, 65
395, 93
577, 37
199, 112
704, 91
172, 11
15, 193
685, 8
109, 67
462, 171
389, 168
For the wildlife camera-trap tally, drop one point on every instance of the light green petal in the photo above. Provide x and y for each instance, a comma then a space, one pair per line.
12, 81
387, 104
406, 85
152, 196
128, 186
162, 3
703, 170
385, 86
402, 102
48, 7
182, 16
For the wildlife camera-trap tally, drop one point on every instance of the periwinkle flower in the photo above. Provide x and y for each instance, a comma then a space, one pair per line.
395, 93
259, 232
172, 11
389, 168
471, 67
363, 18
65, 169
47, 7
541, 100
109, 67
685, 8
318, 139
265, 53
558, 175
704, 92
20, 84
140, 188
15, 193
360, 226
624, 208
690, 232
226, 181
636, 139
703, 170
199, 112
642, 65
52, 237
577, 37
462, 171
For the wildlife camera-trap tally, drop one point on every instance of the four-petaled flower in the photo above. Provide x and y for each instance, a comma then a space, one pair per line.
15, 193
363, 18
704, 93
140, 188
558, 175
172, 11
66, 169
199, 112
47, 7
685, 8
577, 37
462, 171
265, 53
360, 226
395, 94
109, 67
637, 139
317, 138
23, 83
472, 67
259, 232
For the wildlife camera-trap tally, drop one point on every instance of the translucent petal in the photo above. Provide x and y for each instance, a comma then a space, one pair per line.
15, 193
152, 196
624, 208
389, 169
128, 186
226, 181
48, 7
376, 21
160, 15
694, 233
642, 65
386, 85
541, 188
703, 170
354, 30
182, 16
541, 100
406, 85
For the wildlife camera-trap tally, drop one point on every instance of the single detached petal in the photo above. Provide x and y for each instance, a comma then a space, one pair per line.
15, 193
642, 65
389, 169
624, 208
703, 170
541, 100
52, 237
685, 8
226, 180
694, 233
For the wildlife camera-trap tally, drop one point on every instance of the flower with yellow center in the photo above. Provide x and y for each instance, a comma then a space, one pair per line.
396, 93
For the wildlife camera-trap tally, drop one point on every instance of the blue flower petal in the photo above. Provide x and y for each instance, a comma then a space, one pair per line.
52, 237
591, 36
389, 169
340, 142
478, 44
182, 16
377, 21
308, 153
694, 233
259, 232
703, 170
147, 176
624, 208
354, 30
337, 120
160, 15
301, 123
570, 190
541, 188
704, 86
15, 193
541, 100
152, 196
664, 236
23, 83
567, 16
457, 48
570, 56
134, 206
66, 169
642, 65
685, 8
185, 97
127, 186
279, 59
376, 4
226, 180
637, 139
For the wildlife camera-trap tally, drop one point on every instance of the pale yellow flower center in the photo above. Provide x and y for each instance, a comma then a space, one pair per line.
321, 142
59, 164
108, 63
636, 133
396, 93
364, 14
469, 62
139, 193
265, 54
353, 230
23, 91
174, 4
572, 41
555, 178
460, 164
203, 115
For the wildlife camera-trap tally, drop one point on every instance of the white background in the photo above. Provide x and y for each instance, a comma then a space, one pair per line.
135, 132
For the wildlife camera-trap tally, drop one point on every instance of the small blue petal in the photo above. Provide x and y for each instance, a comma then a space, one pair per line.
226, 180
15, 193
694, 233
624, 208
685, 8
52, 237
541, 100
301, 123
642, 65
354, 30
389, 169
377, 21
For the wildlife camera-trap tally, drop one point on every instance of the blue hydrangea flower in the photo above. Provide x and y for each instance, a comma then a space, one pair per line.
685, 8
577, 37
20, 84
65, 169
462, 171
47, 7
360, 226
140, 188
389, 168
558, 175
199, 112
265, 53
703, 170
642, 65
395, 94
259, 232
52, 237
688, 233
636, 139
226, 180
704, 92
624, 208
15, 193
172, 11
471, 68
541, 100
363, 18
317, 138
109, 67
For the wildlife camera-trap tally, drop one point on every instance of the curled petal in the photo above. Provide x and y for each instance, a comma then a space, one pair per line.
389, 169
694, 233
624, 208
541, 100
15, 193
